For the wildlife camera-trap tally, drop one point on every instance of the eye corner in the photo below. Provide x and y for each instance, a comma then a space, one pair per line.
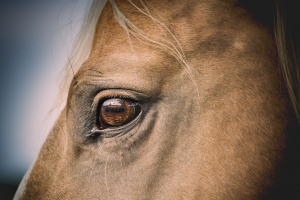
93, 135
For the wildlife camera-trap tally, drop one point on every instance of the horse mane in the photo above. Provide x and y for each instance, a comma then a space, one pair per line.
80, 50
287, 51
288, 58
84, 40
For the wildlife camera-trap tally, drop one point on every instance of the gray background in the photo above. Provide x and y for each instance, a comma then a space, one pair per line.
35, 37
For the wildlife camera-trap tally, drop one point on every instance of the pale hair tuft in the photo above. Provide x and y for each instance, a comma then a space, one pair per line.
83, 43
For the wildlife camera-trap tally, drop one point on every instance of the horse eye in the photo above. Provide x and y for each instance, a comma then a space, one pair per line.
117, 112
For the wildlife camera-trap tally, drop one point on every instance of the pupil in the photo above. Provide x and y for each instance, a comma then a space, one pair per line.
115, 110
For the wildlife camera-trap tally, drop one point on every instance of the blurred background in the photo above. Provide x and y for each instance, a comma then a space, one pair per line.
35, 38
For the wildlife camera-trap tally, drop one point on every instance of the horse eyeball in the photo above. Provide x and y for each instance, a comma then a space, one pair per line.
117, 112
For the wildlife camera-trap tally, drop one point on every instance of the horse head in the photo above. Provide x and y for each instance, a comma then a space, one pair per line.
176, 100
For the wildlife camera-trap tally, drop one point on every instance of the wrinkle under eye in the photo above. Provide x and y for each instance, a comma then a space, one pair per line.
117, 112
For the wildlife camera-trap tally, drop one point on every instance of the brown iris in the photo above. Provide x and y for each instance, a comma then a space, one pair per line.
117, 112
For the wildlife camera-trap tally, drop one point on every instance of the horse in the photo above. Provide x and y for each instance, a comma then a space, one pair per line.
173, 99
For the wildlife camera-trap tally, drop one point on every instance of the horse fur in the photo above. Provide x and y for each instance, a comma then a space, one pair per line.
215, 112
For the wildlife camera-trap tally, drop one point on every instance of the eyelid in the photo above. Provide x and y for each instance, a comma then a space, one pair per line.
116, 93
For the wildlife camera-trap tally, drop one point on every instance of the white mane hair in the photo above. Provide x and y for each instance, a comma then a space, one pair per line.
80, 50
288, 60
84, 41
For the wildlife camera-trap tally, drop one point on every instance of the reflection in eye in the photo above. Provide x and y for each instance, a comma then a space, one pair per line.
117, 112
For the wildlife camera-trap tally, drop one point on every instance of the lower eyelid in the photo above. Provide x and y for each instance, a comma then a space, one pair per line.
115, 131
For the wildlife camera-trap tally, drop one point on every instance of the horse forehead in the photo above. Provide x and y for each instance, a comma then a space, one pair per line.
197, 25
193, 23
141, 64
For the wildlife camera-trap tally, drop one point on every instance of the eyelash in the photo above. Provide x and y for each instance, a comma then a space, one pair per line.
115, 95
111, 95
